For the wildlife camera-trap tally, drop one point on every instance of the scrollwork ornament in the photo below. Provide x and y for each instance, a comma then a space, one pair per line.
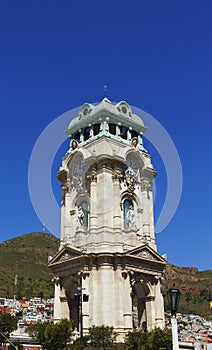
131, 179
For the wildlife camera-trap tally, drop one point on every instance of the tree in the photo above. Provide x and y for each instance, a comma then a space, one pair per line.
58, 335
37, 332
161, 338
52, 336
8, 323
80, 344
102, 336
154, 340
137, 340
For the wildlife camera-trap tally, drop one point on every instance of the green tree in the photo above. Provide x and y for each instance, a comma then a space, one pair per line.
79, 344
52, 336
161, 338
154, 340
137, 340
37, 332
8, 323
102, 336
58, 335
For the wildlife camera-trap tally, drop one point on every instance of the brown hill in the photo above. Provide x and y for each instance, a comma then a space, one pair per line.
195, 286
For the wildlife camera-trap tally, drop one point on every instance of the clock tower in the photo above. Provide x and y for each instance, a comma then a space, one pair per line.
107, 270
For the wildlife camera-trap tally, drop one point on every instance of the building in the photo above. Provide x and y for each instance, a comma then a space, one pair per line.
108, 255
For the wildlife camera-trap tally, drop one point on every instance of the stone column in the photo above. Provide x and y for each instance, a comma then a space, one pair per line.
159, 306
106, 299
91, 130
68, 222
116, 202
62, 177
147, 217
57, 303
150, 312
93, 296
118, 130
65, 313
93, 200
127, 302
129, 134
104, 191
81, 135
119, 299
140, 141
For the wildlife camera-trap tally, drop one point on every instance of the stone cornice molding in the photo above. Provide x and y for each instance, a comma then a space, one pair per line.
135, 261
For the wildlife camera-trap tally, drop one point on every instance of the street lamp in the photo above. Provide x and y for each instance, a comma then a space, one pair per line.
80, 297
173, 299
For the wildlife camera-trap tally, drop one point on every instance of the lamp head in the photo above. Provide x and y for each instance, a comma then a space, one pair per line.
173, 298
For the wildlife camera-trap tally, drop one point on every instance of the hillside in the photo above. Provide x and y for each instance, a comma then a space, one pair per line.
30, 253
195, 287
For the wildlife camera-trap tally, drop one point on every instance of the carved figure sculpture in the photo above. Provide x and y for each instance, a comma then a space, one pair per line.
130, 176
131, 219
80, 217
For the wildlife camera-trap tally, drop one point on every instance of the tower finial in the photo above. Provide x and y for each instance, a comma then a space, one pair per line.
105, 90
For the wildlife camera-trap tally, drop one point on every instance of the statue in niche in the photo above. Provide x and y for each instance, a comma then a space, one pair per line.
74, 144
131, 219
80, 219
134, 142
130, 177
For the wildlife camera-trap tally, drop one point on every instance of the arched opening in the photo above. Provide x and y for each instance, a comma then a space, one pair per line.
112, 129
73, 304
77, 137
123, 132
87, 133
96, 129
140, 291
134, 134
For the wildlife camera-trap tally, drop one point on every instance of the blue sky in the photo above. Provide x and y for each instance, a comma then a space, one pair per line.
156, 55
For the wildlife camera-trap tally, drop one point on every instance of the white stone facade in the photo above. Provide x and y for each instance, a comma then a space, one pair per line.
108, 248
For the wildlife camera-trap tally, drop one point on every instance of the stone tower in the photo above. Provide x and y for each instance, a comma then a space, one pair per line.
108, 255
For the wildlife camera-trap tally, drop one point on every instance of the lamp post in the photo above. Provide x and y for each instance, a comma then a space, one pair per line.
80, 297
173, 299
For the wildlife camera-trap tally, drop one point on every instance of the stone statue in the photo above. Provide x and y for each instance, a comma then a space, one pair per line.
134, 142
74, 144
80, 217
131, 219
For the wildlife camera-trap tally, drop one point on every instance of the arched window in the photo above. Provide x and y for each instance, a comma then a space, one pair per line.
123, 132
87, 133
112, 129
129, 215
96, 129
77, 137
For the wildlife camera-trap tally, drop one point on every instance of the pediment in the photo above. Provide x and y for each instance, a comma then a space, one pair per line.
65, 254
146, 253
